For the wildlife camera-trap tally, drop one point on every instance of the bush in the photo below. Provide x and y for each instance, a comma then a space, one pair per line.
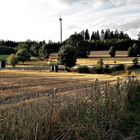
135, 61
92, 70
100, 63
132, 52
112, 51
107, 69
118, 67
99, 70
83, 69
12, 60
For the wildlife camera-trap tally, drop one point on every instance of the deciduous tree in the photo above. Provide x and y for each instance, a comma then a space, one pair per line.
67, 56
12, 60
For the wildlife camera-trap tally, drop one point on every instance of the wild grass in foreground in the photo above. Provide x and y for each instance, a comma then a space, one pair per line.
99, 114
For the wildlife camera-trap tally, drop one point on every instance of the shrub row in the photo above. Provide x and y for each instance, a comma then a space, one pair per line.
100, 70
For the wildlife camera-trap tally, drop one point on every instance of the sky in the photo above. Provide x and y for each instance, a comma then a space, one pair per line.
39, 19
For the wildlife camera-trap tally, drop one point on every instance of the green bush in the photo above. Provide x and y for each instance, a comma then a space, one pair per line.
112, 51
12, 60
83, 69
100, 63
132, 52
135, 61
119, 67
99, 70
107, 69
92, 70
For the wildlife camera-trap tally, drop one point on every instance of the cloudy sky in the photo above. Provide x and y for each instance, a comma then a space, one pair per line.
39, 19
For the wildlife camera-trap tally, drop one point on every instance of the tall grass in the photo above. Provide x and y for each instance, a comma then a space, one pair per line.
97, 114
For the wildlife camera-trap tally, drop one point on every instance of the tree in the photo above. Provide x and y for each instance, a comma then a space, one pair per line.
12, 60
82, 47
6, 50
112, 51
132, 52
67, 56
107, 34
137, 48
87, 36
95, 35
116, 34
102, 35
34, 49
44, 51
139, 36
23, 55
23, 45
100, 63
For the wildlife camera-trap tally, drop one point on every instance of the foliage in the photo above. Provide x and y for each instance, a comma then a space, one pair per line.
135, 61
34, 49
139, 36
119, 67
95, 35
67, 56
136, 47
132, 52
112, 51
23, 55
83, 69
12, 60
44, 51
23, 45
8, 43
101, 112
82, 47
100, 63
87, 36
6, 50
3, 57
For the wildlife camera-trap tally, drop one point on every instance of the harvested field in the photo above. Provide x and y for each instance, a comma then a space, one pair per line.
120, 58
18, 86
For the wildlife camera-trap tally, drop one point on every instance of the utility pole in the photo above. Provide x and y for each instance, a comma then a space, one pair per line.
60, 19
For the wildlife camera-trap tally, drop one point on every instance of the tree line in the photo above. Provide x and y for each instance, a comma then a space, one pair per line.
96, 41
82, 43
104, 35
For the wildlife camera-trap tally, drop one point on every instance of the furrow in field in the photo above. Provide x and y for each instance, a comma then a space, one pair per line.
16, 98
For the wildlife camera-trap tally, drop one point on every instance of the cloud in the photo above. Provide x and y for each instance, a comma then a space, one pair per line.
112, 2
70, 2
71, 27
132, 23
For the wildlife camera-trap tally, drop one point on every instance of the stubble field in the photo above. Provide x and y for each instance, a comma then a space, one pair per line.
18, 86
